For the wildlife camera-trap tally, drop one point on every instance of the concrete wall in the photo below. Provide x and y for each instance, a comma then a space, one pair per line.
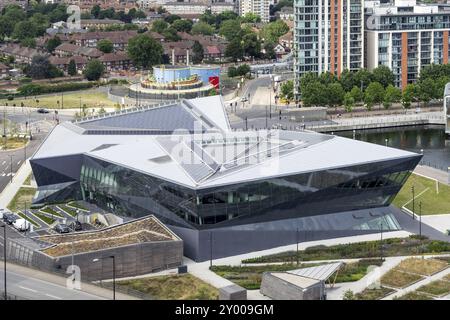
132, 260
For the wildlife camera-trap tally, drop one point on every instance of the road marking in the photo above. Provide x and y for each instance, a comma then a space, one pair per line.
52, 296
19, 162
25, 288
3, 162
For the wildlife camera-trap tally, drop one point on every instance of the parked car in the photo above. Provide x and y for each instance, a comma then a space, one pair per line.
244, 99
21, 225
76, 226
61, 228
42, 110
9, 218
2, 211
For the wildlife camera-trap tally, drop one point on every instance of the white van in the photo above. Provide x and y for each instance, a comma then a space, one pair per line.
22, 225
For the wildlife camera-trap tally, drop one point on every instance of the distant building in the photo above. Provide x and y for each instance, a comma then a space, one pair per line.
68, 50
286, 13
21, 54
62, 63
259, 7
99, 23
116, 61
197, 8
406, 36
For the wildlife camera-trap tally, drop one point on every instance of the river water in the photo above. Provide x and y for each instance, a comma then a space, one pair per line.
429, 138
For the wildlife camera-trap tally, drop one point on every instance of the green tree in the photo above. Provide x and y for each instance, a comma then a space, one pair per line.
197, 52
335, 94
287, 90
272, 31
72, 68
159, 26
375, 93
250, 17
232, 72
202, 28
52, 44
383, 75
349, 295
346, 80
144, 51
172, 18
94, 70
40, 68
391, 95
234, 50
171, 34
24, 29
362, 78
349, 102
230, 29
408, 95
269, 51
313, 94
6, 26
95, 11
356, 94
251, 45
105, 46
243, 69
182, 25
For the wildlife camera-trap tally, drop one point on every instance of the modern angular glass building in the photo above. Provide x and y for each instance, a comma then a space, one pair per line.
222, 191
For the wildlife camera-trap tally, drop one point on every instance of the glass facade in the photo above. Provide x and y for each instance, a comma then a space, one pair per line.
131, 193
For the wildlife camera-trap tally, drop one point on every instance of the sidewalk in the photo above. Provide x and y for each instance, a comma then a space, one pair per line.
11, 189
433, 173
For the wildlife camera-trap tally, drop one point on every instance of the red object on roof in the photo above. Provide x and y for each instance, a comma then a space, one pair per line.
212, 50
214, 81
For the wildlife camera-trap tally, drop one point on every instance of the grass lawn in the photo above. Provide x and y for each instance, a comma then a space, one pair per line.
27, 217
414, 295
173, 287
432, 202
77, 205
399, 279
27, 181
446, 278
52, 211
366, 249
373, 294
436, 288
90, 98
69, 210
354, 271
424, 267
22, 199
44, 218
12, 143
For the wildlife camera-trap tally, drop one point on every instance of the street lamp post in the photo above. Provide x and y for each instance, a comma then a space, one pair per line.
381, 241
4, 257
413, 200
210, 248
114, 271
296, 240
420, 219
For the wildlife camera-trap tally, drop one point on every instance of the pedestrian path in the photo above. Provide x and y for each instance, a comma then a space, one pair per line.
11, 189
433, 173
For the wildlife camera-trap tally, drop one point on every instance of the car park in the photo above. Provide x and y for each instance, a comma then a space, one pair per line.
61, 228
21, 225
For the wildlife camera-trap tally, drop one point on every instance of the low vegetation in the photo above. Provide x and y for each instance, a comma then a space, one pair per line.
69, 210
44, 218
77, 205
368, 249
173, 287
26, 217
425, 267
354, 271
436, 288
433, 202
52, 211
398, 279
13, 143
27, 181
374, 294
22, 199
414, 295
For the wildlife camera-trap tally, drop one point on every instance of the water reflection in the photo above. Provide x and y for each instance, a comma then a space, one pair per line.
430, 138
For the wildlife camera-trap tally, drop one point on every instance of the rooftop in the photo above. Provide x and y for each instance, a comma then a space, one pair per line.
190, 143
148, 229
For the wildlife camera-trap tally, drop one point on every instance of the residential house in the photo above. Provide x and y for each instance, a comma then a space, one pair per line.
116, 61
21, 54
68, 50
62, 63
119, 39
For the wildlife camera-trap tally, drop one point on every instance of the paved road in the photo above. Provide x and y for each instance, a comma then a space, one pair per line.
36, 289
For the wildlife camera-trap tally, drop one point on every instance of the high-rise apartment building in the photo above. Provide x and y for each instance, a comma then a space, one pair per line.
328, 36
259, 7
406, 36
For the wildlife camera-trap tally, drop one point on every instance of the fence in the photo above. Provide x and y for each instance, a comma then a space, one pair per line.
438, 166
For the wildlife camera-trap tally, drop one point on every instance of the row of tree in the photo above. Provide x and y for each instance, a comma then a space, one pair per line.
370, 88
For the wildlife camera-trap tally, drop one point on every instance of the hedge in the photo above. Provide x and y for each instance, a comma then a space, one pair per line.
36, 89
